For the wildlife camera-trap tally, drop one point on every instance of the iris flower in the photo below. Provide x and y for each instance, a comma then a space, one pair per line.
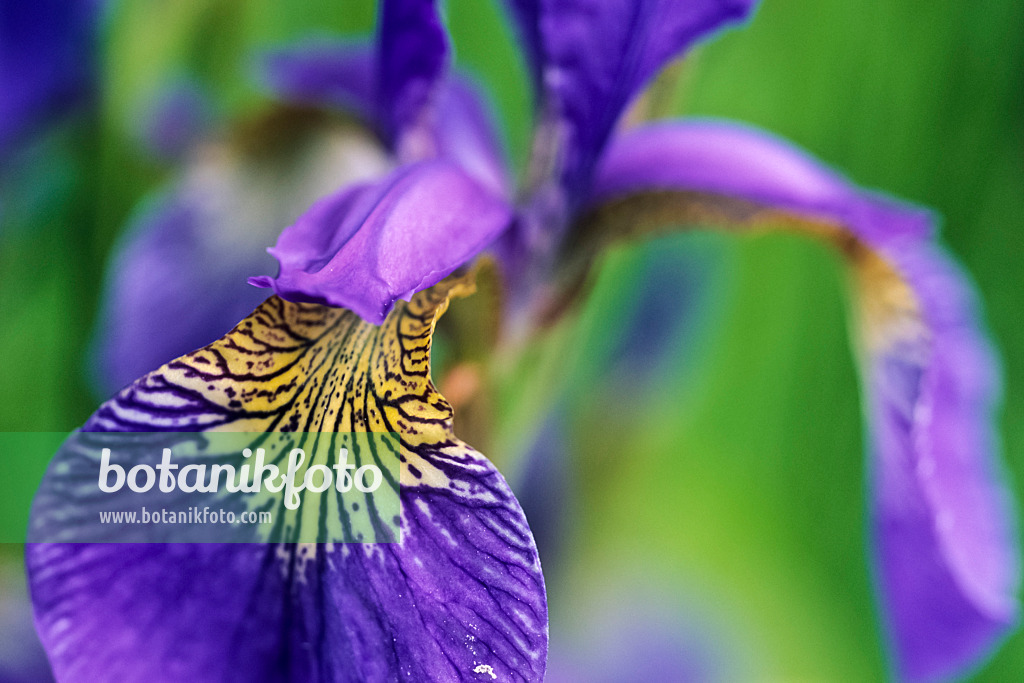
344, 344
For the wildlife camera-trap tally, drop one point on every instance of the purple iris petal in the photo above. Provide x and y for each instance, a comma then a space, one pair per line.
370, 245
177, 278
591, 57
433, 608
946, 554
46, 61
462, 130
459, 597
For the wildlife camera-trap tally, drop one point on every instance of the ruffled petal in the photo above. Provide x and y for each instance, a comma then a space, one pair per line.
460, 597
177, 277
591, 57
368, 246
947, 559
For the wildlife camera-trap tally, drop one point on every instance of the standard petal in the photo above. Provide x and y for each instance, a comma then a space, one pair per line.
177, 279
368, 246
452, 123
947, 559
389, 84
461, 130
460, 597
591, 57
412, 56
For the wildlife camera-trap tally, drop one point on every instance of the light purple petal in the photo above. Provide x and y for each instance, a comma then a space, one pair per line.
593, 56
368, 246
177, 279
462, 130
946, 551
459, 595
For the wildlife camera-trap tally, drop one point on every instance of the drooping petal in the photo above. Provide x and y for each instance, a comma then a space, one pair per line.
947, 559
177, 278
591, 57
368, 246
460, 597
462, 130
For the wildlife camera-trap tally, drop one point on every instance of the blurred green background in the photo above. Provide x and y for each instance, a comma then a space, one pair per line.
736, 475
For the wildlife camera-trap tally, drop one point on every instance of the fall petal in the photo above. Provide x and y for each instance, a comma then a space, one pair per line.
947, 559
459, 597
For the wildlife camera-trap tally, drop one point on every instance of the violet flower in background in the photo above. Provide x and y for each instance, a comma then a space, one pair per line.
177, 275
371, 264
177, 120
639, 629
47, 63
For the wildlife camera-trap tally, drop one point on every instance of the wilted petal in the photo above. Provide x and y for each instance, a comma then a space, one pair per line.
462, 590
591, 57
177, 278
946, 554
368, 246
